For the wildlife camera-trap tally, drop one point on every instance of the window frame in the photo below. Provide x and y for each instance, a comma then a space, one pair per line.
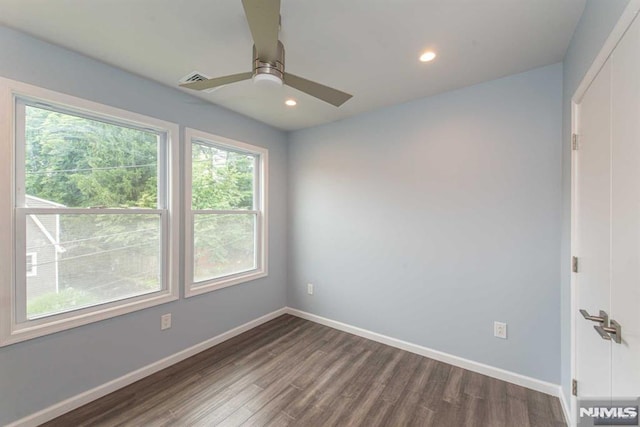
13, 328
260, 209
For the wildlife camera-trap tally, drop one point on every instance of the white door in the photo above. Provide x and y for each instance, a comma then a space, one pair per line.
593, 226
625, 210
607, 226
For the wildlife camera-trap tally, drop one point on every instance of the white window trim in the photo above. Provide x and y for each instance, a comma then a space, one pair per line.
34, 264
10, 330
191, 289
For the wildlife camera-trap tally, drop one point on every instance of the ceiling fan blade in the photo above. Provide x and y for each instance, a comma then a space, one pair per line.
263, 17
218, 81
325, 93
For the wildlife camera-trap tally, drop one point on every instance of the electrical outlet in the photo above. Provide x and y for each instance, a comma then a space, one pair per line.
500, 330
310, 288
165, 321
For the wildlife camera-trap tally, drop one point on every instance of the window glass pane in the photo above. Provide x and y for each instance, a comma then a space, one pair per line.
223, 245
221, 179
78, 162
84, 260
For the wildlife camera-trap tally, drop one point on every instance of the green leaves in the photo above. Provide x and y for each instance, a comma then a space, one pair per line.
221, 179
79, 162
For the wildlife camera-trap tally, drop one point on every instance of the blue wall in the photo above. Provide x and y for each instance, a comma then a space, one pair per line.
429, 220
44, 371
597, 21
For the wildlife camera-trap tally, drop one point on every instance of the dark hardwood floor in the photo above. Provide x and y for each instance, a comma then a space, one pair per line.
292, 372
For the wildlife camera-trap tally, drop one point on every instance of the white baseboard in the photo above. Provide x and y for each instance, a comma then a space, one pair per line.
501, 374
75, 402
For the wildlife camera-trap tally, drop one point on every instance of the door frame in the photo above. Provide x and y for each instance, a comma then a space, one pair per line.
624, 22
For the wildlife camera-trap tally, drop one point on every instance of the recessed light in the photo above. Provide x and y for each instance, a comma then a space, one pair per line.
290, 102
427, 56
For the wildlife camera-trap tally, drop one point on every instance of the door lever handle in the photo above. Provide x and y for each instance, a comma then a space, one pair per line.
607, 332
603, 318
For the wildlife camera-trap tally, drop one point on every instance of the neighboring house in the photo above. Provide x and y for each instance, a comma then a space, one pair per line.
43, 249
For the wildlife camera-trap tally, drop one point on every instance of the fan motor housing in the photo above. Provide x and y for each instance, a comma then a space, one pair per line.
275, 68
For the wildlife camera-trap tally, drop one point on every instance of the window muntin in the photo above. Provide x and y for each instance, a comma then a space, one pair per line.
226, 197
87, 219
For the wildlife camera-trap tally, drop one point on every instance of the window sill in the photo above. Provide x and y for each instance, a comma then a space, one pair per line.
15, 332
224, 282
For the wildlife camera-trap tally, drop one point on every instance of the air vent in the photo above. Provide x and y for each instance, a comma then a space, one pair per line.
196, 76
193, 77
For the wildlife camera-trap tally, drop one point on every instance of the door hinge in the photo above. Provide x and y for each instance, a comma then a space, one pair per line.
574, 141
574, 264
574, 387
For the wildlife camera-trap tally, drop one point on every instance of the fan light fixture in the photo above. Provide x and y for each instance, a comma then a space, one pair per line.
270, 79
263, 17
427, 56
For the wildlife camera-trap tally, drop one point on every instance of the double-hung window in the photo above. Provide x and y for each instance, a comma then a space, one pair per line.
94, 212
226, 208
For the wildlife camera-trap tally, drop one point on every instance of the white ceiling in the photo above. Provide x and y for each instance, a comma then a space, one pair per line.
368, 48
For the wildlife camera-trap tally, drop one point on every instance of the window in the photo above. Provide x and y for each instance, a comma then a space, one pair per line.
226, 208
95, 212
32, 264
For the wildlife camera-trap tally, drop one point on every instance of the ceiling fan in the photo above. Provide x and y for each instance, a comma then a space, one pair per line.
263, 17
